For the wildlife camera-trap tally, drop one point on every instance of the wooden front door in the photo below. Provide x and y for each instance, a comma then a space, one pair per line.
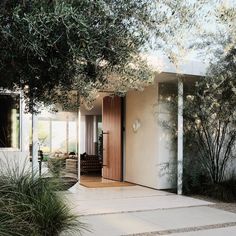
112, 138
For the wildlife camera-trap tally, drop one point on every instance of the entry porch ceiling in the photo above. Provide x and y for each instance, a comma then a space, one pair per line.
162, 77
173, 77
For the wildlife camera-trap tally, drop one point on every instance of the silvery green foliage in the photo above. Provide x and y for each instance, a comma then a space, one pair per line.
193, 28
52, 47
205, 27
210, 118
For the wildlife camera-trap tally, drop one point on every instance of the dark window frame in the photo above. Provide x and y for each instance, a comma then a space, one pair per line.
10, 93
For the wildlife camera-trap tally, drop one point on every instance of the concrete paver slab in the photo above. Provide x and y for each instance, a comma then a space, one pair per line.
117, 224
107, 206
186, 217
135, 209
156, 221
125, 199
83, 194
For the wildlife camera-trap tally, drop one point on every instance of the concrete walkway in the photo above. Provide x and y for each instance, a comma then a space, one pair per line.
143, 211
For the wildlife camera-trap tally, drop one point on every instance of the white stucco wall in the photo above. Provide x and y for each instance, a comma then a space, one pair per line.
167, 147
141, 146
148, 150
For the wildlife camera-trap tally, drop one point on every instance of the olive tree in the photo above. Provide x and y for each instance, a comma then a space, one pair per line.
50, 47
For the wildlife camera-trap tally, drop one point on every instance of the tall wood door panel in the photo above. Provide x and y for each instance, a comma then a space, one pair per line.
112, 143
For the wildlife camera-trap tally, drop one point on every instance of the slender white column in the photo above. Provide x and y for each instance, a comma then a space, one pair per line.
22, 125
180, 137
78, 141
50, 125
95, 128
67, 134
35, 145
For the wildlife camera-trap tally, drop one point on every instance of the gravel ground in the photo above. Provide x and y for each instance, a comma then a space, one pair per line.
185, 230
231, 207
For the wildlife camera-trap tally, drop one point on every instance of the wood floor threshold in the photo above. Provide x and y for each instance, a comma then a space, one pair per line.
90, 184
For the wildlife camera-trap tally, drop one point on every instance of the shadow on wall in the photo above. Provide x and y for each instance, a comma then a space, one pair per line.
166, 119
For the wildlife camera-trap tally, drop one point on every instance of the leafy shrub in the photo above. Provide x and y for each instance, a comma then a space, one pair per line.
224, 191
30, 206
196, 181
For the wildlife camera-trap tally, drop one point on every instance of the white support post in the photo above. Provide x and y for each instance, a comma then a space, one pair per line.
78, 141
22, 124
35, 145
180, 137
95, 135
95, 129
50, 125
67, 134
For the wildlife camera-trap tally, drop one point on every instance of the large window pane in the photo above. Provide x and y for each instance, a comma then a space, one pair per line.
9, 121
72, 137
44, 135
59, 136
57, 132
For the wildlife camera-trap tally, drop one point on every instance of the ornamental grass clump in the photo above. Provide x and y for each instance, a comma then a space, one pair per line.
31, 206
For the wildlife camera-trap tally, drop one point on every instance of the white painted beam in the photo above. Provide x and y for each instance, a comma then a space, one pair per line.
180, 137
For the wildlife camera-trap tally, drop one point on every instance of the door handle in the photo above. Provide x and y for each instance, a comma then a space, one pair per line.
105, 132
105, 150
